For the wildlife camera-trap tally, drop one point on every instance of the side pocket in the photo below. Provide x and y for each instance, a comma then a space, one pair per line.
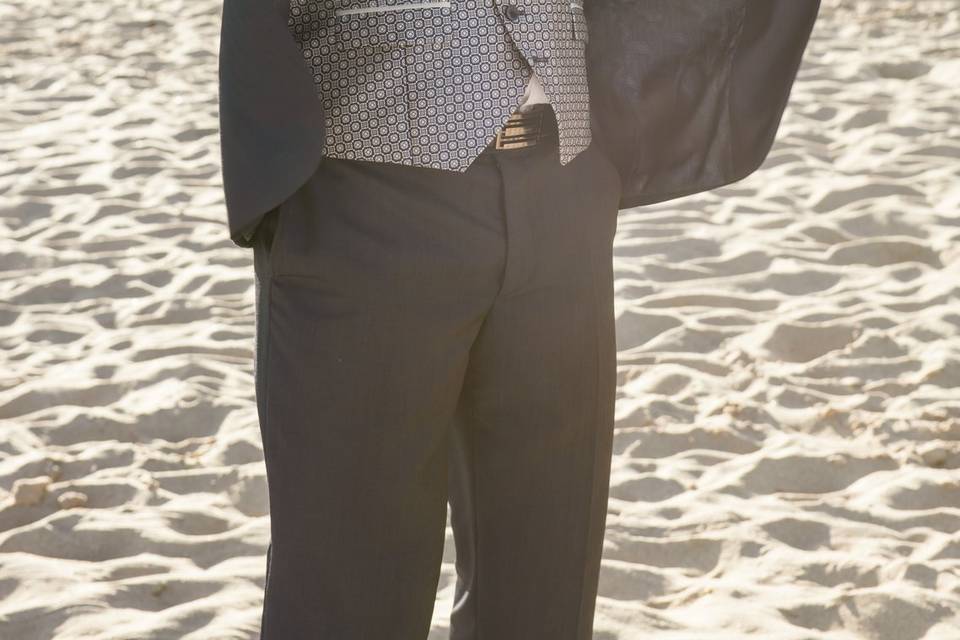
267, 237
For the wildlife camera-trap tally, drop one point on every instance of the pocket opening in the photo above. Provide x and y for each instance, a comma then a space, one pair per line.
355, 11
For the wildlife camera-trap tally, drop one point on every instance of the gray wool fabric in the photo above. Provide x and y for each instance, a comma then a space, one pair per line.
430, 82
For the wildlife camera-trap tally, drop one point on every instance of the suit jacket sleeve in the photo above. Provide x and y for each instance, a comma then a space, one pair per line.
271, 121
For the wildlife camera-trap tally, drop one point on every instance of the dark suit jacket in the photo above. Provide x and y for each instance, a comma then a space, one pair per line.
686, 96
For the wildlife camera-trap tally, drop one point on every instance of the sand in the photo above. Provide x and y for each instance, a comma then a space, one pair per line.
787, 456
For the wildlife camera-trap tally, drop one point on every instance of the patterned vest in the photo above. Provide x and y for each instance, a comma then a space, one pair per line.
430, 82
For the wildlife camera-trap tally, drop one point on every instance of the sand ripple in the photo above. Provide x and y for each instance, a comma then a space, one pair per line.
788, 439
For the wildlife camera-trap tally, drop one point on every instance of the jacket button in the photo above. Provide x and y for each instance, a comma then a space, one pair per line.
512, 12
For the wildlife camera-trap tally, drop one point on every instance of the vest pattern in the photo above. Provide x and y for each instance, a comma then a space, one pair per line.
430, 83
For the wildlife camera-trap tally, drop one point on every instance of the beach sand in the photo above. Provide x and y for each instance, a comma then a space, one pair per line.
787, 455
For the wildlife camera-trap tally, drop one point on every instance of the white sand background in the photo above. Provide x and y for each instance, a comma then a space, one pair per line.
787, 460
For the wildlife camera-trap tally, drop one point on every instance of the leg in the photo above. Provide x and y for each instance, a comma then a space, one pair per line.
530, 458
372, 291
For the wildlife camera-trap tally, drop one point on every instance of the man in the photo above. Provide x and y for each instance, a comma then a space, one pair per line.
430, 188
